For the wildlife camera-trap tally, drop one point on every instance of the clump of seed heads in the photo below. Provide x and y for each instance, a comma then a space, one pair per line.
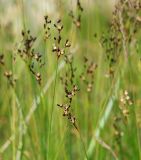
77, 19
118, 133
71, 90
37, 75
120, 36
87, 76
79, 6
125, 101
47, 28
58, 49
10, 77
121, 118
8, 73
28, 54
67, 113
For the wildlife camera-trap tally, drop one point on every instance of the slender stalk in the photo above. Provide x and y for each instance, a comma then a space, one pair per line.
86, 156
13, 127
14, 113
52, 110
23, 14
21, 132
124, 45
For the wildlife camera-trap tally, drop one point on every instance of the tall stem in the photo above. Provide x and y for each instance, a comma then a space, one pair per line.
52, 110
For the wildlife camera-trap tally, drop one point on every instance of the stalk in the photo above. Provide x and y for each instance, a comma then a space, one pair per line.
52, 110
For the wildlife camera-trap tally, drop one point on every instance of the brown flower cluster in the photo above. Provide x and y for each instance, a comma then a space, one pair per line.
87, 76
8, 73
77, 19
120, 36
27, 51
125, 101
70, 91
58, 49
120, 120
28, 54
10, 77
47, 28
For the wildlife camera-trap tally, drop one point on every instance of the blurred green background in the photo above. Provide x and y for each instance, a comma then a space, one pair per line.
26, 108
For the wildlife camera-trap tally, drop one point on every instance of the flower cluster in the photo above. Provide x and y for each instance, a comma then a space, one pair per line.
58, 49
77, 19
125, 101
71, 90
28, 54
47, 27
119, 37
120, 120
87, 75
10, 77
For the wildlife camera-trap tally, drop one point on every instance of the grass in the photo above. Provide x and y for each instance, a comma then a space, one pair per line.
89, 73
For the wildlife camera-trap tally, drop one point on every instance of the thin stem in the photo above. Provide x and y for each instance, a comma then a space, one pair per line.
123, 34
52, 109
21, 131
23, 14
82, 142
13, 126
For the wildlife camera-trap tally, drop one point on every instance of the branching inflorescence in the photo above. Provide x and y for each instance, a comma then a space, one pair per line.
87, 76
47, 28
121, 119
8, 73
77, 18
122, 31
70, 89
59, 48
28, 54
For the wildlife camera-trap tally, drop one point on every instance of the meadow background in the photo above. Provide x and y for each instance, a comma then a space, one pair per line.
107, 116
